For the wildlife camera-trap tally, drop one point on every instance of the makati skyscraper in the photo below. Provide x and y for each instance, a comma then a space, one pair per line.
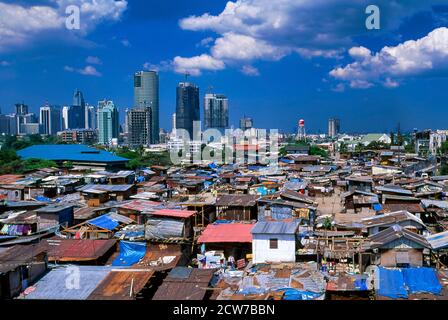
216, 112
76, 112
187, 106
108, 125
334, 127
146, 95
50, 119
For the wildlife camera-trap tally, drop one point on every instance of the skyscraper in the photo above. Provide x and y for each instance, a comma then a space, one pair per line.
21, 109
50, 119
216, 112
108, 125
333, 127
76, 112
90, 117
187, 106
139, 127
78, 99
146, 94
246, 123
65, 117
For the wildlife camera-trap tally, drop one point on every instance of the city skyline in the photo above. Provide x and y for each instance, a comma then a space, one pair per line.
275, 71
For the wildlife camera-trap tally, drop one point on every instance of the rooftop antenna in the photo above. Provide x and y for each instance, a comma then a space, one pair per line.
187, 74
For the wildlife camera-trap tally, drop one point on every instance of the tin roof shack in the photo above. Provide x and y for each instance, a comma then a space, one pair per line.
286, 205
101, 227
402, 218
95, 195
62, 215
347, 286
355, 201
237, 207
184, 283
85, 251
223, 240
123, 177
395, 194
397, 247
436, 213
85, 213
169, 224
274, 241
136, 209
20, 266
362, 183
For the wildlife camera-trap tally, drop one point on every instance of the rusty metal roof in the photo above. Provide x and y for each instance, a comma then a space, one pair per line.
77, 250
194, 287
121, 284
236, 200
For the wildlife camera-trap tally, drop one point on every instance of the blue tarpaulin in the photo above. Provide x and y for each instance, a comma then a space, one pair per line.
422, 280
377, 207
294, 294
105, 222
391, 283
130, 253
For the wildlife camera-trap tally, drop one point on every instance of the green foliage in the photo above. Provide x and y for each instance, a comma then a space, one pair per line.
444, 170
138, 159
343, 148
11, 163
316, 151
326, 224
444, 148
375, 145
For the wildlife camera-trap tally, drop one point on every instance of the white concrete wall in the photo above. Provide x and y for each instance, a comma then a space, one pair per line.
286, 251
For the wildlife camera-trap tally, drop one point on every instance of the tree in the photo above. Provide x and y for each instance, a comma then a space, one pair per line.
444, 170
444, 148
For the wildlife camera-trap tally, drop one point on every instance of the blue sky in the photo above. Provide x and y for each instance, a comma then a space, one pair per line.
277, 61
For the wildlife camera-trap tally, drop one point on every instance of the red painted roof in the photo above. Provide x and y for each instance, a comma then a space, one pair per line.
77, 250
174, 213
227, 232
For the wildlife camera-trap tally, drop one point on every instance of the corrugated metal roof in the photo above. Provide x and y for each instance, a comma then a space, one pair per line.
393, 233
227, 232
236, 200
77, 250
57, 285
174, 213
275, 227
438, 240
69, 152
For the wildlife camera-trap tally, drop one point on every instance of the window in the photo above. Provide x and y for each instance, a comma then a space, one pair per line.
273, 243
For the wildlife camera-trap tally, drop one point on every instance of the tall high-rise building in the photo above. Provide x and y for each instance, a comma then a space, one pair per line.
50, 119
8, 124
76, 117
90, 117
146, 94
21, 109
65, 117
246, 123
108, 125
187, 106
333, 127
78, 99
216, 112
173, 124
139, 127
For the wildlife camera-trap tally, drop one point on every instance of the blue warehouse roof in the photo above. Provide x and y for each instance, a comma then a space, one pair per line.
69, 152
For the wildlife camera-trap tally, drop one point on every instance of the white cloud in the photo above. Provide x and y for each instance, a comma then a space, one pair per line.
410, 58
194, 65
87, 71
22, 25
269, 30
250, 71
125, 42
93, 60
162, 66
205, 42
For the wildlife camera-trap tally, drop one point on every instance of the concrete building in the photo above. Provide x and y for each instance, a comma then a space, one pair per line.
82, 136
187, 107
50, 119
108, 125
334, 127
274, 241
146, 95
216, 112
139, 127
246, 123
